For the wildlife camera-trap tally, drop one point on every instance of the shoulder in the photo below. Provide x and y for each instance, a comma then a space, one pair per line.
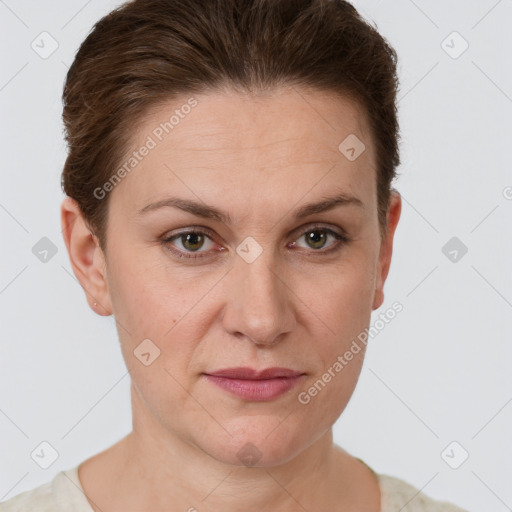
61, 494
399, 493
40, 499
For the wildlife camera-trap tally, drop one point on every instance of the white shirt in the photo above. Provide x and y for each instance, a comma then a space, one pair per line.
65, 494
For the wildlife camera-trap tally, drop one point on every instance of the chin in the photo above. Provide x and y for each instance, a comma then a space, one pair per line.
259, 441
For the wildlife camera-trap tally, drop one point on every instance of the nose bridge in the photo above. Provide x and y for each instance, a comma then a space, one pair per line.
260, 307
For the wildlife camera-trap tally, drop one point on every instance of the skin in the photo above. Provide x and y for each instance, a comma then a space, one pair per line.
258, 158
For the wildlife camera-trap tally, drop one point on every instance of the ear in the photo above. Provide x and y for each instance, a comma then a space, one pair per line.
86, 257
386, 248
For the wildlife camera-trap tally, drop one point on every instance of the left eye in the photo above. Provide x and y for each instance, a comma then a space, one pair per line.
316, 237
193, 241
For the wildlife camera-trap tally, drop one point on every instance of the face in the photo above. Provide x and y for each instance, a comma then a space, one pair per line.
248, 276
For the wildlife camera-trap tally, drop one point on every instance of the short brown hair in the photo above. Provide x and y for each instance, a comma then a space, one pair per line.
148, 51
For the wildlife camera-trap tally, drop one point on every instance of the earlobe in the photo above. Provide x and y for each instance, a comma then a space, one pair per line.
86, 257
386, 249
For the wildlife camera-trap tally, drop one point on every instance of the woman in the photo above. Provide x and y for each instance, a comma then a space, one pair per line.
230, 203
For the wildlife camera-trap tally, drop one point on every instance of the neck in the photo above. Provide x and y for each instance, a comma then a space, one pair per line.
163, 471
153, 468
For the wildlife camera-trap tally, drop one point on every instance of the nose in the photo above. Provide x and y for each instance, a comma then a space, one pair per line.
260, 305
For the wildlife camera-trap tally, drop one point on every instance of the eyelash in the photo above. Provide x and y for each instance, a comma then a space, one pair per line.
342, 239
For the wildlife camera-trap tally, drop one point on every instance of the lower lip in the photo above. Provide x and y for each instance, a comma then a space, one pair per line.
256, 390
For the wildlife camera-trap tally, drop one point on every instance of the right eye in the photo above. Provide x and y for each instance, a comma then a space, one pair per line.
191, 241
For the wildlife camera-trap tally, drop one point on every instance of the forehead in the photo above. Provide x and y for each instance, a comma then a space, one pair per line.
271, 144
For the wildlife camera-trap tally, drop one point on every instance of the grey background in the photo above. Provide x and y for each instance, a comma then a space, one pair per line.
438, 373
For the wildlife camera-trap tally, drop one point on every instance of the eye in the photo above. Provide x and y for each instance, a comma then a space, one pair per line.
191, 241
197, 243
316, 238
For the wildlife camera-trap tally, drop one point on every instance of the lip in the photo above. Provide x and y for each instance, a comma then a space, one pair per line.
255, 385
244, 372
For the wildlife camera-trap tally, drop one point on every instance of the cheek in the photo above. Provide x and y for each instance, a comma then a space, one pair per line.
325, 396
157, 327
345, 295
342, 310
151, 303
150, 298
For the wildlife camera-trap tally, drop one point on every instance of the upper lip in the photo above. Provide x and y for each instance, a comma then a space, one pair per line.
252, 374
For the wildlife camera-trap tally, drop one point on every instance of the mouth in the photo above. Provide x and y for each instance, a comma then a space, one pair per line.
253, 385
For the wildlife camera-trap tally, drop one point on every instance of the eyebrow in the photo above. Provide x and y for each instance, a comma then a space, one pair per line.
209, 212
